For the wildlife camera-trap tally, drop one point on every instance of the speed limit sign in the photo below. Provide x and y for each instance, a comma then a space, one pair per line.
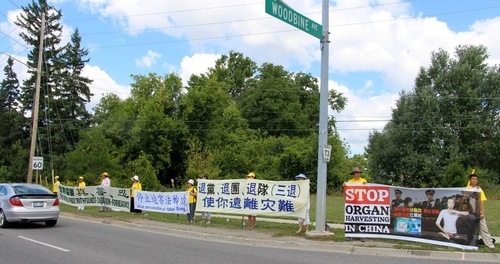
38, 163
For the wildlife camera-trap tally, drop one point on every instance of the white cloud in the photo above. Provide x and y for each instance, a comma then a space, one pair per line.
361, 116
148, 60
102, 85
196, 64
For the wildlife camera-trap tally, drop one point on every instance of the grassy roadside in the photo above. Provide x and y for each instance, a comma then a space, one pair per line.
334, 214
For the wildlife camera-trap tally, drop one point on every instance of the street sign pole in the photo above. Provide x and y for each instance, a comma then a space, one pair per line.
323, 125
282, 11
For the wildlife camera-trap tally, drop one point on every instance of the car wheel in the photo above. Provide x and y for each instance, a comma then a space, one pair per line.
51, 223
3, 220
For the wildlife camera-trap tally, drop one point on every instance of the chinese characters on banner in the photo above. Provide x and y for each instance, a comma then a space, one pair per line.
440, 216
117, 199
163, 202
253, 197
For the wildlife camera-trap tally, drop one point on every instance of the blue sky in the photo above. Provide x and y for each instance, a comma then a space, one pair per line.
376, 46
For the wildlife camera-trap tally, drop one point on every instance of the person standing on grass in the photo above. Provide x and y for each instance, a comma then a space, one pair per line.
105, 184
55, 189
192, 200
252, 219
81, 191
136, 186
483, 227
304, 221
356, 178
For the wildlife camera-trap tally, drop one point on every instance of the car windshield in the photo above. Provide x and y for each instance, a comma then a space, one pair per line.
30, 189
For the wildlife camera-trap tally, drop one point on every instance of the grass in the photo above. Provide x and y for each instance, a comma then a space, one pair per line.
334, 214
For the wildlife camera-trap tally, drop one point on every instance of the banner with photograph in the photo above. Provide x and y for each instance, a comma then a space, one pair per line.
440, 216
117, 199
253, 197
163, 202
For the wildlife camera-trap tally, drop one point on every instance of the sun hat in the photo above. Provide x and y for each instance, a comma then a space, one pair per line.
135, 178
105, 174
191, 181
57, 177
80, 178
355, 169
251, 174
300, 176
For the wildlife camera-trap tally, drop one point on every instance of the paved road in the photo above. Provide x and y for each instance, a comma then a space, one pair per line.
143, 241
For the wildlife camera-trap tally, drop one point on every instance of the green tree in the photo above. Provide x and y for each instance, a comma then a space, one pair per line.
236, 71
12, 132
451, 117
60, 106
94, 154
148, 123
281, 103
73, 96
143, 167
9, 89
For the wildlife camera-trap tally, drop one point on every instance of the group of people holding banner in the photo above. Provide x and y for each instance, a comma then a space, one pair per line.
102, 194
456, 219
226, 196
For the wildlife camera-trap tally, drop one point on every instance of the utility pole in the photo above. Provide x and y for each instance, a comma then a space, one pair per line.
34, 127
323, 125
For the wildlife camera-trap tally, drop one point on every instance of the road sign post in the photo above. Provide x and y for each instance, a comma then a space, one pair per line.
282, 11
285, 13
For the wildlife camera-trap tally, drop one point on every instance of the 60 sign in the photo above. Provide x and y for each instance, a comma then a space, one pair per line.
37, 163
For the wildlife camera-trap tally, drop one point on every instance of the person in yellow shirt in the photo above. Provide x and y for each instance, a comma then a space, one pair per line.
483, 228
192, 200
252, 218
136, 186
356, 178
55, 189
81, 191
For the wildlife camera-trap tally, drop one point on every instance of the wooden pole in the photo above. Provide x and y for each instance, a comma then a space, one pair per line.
34, 127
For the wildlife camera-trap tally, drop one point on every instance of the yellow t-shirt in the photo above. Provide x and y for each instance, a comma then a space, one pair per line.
81, 184
136, 186
360, 180
192, 198
56, 187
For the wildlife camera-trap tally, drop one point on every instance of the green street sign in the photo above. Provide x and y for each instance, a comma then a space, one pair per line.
283, 12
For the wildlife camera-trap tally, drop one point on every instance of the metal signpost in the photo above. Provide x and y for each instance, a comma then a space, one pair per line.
282, 11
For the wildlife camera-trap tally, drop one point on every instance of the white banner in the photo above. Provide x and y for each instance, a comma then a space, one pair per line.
253, 197
117, 199
163, 202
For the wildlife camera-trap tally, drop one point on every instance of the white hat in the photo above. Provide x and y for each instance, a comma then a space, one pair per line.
191, 181
135, 178
301, 176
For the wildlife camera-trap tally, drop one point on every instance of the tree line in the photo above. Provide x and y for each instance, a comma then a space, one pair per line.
236, 118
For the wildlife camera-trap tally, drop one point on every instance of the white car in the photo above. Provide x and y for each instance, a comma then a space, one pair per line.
22, 202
